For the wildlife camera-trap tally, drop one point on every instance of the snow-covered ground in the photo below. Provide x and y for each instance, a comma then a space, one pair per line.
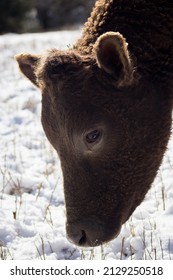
32, 213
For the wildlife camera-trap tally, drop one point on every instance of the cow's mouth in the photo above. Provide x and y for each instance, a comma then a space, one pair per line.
91, 237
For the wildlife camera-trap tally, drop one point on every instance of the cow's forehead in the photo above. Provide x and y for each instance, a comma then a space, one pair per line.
66, 72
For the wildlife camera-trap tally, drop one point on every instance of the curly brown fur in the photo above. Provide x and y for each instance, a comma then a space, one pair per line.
147, 26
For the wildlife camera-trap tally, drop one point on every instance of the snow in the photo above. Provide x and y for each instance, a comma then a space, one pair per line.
32, 213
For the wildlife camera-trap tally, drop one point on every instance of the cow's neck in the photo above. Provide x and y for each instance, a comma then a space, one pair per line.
146, 25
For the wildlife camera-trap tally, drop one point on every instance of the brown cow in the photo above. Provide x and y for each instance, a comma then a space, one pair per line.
106, 109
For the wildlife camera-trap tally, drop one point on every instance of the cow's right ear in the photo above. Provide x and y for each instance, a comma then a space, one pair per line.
28, 64
113, 57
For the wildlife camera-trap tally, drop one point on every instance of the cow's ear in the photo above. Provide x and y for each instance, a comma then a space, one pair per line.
112, 56
28, 64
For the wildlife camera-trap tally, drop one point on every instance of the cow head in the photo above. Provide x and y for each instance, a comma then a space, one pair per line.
110, 128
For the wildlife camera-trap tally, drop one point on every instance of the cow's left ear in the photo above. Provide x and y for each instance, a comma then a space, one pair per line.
112, 56
28, 64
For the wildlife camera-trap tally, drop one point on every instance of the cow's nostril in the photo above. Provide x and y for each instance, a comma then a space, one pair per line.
84, 235
78, 237
83, 239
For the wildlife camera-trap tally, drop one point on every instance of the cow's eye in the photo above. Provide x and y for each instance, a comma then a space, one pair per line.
93, 136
